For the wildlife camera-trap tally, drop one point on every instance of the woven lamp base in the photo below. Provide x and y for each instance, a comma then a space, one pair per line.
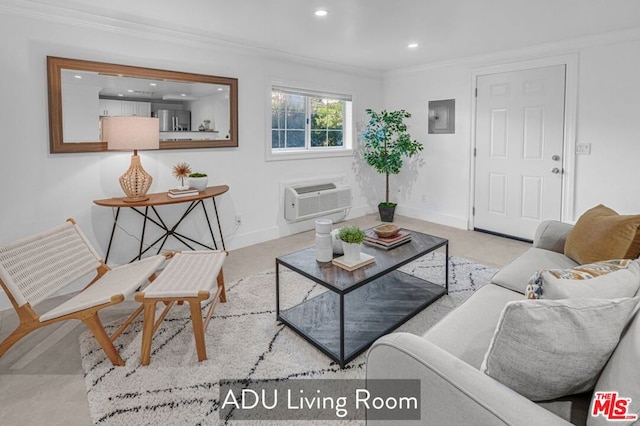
135, 182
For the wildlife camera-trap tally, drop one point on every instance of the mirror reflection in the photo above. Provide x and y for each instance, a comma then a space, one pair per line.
194, 110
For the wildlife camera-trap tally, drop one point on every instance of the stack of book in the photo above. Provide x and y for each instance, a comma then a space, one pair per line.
177, 193
371, 238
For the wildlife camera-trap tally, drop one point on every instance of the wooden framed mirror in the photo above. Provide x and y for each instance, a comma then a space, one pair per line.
194, 110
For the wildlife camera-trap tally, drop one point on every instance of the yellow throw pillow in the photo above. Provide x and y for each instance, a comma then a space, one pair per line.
602, 234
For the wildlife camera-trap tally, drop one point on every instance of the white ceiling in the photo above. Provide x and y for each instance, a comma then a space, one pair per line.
374, 34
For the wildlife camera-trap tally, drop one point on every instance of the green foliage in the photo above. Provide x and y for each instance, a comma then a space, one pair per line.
197, 175
326, 114
387, 142
351, 234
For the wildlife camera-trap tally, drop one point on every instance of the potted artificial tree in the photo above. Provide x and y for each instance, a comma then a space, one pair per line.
386, 143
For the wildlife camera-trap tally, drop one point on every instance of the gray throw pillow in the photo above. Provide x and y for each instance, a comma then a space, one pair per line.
546, 349
611, 279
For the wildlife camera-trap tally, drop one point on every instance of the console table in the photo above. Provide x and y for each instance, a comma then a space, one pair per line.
159, 199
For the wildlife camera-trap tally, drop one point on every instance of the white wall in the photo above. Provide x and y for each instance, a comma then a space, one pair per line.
607, 117
51, 187
439, 191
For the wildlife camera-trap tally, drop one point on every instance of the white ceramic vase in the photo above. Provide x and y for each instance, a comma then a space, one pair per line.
324, 248
351, 251
199, 183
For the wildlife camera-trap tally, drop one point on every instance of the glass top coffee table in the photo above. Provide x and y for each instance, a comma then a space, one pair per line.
359, 307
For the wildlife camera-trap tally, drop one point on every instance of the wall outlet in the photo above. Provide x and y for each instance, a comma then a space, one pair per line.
238, 220
583, 148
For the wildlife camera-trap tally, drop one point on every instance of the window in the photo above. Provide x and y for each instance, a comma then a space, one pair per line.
309, 121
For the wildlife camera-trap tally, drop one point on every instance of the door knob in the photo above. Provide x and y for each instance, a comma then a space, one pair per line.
555, 170
556, 158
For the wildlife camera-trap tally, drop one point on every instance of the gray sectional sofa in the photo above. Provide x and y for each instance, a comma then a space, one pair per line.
447, 359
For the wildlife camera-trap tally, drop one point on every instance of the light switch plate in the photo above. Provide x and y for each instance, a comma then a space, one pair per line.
583, 148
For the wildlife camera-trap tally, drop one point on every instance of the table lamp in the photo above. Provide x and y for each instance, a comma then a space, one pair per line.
133, 133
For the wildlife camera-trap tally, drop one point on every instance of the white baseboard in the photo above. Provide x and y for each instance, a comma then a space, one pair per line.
251, 238
455, 222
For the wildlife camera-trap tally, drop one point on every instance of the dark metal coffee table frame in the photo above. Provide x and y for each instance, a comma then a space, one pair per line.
380, 278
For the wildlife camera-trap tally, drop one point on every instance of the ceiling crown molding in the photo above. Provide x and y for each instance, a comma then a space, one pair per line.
152, 30
541, 50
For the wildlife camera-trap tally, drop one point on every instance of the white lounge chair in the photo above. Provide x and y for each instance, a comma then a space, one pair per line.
38, 266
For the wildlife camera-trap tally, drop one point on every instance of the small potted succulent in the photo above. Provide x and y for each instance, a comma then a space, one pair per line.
198, 181
207, 123
352, 238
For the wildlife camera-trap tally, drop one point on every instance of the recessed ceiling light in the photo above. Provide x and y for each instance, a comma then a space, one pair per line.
152, 84
130, 90
77, 76
321, 12
412, 45
183, 94
120, 94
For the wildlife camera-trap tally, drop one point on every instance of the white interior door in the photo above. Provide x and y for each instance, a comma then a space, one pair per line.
519, 148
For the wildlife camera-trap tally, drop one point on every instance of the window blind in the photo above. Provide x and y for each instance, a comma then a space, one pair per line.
312, 93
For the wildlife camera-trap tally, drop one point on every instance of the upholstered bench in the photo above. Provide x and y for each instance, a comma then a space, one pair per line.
189, 277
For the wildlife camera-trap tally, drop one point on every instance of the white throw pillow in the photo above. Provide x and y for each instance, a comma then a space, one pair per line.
610, 279
547, 349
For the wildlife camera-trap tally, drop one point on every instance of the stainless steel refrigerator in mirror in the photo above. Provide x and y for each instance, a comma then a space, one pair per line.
174, 120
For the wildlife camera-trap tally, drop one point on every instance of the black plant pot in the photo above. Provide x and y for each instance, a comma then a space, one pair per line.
386, 212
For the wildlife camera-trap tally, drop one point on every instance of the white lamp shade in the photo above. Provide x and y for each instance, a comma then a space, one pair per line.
131, 133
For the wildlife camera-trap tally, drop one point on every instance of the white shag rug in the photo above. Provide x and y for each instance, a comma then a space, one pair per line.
244, 342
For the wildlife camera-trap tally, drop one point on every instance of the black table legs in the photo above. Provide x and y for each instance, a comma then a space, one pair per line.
172, 231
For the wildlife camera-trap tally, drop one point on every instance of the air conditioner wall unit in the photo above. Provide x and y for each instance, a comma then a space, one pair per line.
308, 200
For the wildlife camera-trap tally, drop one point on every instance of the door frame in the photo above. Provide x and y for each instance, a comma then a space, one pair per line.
570, 61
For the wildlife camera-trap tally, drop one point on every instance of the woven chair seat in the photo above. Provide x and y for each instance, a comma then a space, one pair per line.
124, 280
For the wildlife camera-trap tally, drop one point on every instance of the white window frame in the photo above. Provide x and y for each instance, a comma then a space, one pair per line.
308, 151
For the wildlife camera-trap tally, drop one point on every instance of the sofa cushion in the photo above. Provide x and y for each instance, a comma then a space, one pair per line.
547, 349
621, 374
467, 330
515, 276
602, 234
606, 280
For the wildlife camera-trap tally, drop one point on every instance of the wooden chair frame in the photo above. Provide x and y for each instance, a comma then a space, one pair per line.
29, 319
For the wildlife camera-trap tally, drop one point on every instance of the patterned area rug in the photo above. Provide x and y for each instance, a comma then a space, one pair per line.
244, 342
